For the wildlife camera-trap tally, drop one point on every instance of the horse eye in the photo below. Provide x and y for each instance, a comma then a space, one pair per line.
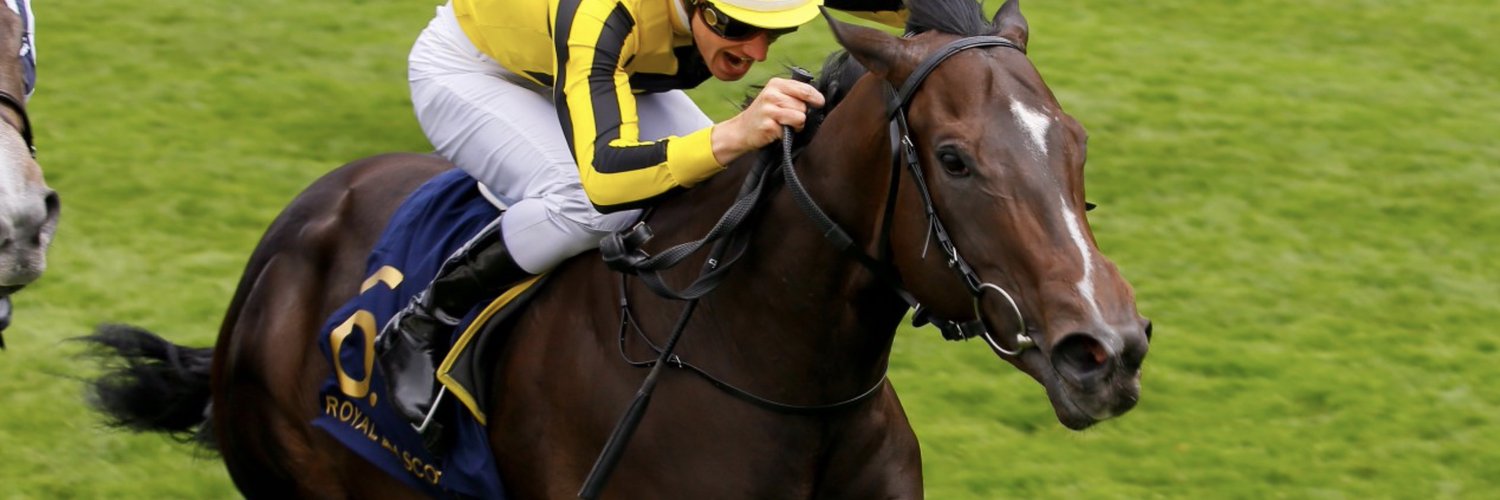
953, 163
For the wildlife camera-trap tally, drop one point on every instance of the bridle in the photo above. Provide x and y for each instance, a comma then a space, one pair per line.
622, 252
11, 101
899, 100
24, 127
901, 138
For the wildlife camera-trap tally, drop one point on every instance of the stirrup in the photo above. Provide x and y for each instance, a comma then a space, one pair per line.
431, 431
427, 422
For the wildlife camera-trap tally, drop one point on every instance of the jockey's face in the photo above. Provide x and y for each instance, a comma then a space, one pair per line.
729, 59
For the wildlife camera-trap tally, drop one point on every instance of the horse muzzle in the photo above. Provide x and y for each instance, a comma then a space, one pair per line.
21, 266
1093, 376
26, 231
1090, 374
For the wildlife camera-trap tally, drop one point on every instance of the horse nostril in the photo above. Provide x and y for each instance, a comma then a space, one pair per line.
54, 210
1080, 357
1136, 347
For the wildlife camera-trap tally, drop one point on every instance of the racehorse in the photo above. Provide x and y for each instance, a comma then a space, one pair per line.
798, 322
28, 208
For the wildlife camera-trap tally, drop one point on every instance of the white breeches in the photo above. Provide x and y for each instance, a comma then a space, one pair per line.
504, 131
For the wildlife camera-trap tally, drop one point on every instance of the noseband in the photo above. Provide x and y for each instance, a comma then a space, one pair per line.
24, 127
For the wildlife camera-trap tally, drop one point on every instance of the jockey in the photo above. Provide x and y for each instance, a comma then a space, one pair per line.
571, 115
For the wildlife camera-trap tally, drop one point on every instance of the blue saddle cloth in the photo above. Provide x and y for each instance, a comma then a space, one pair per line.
430, 225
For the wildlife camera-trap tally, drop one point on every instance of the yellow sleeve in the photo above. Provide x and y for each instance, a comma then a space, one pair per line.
598, 112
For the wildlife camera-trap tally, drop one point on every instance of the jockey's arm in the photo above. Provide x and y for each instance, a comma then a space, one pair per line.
597, 108
780, 102
618, 170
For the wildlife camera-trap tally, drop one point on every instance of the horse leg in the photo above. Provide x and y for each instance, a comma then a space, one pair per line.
258, 395
262, 433
266, 404
268, 368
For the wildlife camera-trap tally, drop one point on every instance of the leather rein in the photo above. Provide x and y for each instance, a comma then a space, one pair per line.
623, 253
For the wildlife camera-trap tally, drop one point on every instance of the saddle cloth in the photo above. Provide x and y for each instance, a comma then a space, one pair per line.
430, 225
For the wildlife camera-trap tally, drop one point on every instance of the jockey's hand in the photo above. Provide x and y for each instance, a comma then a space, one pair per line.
781, 102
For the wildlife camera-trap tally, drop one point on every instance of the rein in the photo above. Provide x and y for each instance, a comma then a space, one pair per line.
24, 127
628, 324
623, 253
901, 140
902, 146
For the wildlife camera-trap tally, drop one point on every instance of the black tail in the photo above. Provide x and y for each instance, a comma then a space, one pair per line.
150, 384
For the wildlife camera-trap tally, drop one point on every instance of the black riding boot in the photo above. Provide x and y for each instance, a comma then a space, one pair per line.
410, 343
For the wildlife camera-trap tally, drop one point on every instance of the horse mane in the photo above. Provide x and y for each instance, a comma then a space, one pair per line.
954, 17
840, 71
838, 75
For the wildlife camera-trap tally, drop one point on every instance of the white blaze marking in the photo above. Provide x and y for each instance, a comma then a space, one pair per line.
1086, 284
1035, 124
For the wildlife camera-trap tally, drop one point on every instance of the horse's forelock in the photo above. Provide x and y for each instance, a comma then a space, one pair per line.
955, 17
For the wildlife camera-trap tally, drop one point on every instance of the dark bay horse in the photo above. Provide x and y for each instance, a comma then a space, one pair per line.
28, 208
796, 321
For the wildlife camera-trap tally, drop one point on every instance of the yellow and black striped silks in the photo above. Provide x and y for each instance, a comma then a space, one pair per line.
597, 55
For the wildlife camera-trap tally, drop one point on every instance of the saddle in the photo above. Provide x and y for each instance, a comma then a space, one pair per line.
431, 224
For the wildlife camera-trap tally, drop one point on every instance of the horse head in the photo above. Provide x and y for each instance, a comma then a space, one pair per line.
1002, 166
28, 208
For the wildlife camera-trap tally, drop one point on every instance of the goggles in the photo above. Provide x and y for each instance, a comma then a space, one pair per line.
732, 29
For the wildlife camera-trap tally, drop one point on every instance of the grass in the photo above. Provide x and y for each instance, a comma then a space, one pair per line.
1302, 193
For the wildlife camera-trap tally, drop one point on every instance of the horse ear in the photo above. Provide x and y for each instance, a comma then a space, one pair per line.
1011, 23
876, 50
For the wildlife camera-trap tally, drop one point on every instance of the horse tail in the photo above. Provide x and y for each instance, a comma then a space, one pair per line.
151, 384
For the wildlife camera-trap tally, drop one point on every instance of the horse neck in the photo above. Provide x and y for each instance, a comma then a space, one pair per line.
794, 299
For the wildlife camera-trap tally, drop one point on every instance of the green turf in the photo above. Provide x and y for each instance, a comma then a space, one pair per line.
1302, 192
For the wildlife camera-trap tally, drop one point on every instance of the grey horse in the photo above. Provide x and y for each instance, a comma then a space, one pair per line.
28, 208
